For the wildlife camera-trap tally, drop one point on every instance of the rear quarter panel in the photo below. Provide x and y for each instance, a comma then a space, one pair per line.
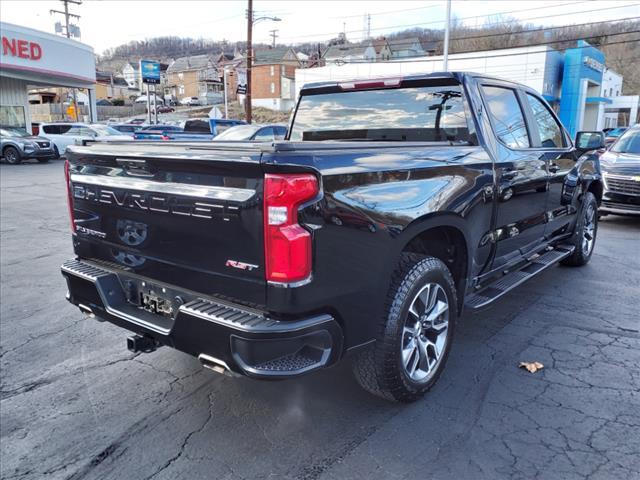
375, 200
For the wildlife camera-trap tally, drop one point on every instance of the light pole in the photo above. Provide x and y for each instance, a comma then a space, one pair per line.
250, 22
446, 38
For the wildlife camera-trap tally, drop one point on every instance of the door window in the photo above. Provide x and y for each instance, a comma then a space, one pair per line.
280, 132
548, 128
51, 129
507, 117
264, 135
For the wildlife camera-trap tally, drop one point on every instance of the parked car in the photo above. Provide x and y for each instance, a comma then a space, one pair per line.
451, 189
152, 132
17, 145
190, 101
165, 109
65, 134
621, 173
126, 128
253, 133
137, 121
192, 130
613, 134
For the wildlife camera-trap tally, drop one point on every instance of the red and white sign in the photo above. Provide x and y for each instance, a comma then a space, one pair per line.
21, 48
42, 58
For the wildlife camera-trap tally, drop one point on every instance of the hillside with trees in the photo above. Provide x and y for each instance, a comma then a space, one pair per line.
615, 39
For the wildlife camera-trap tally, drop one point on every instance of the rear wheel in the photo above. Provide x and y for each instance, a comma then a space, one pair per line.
584, 238
415, 336
11, 155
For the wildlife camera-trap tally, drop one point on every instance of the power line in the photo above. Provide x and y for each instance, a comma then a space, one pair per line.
422, 58
392, 11
490, 35
575, 25
482, 16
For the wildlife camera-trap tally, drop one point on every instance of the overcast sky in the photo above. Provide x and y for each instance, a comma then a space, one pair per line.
108, 23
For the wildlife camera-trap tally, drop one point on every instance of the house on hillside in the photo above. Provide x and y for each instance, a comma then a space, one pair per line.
232, 63
131, 74
194, 76
382, 49
406, 47
349, 53
273, 78
110, 86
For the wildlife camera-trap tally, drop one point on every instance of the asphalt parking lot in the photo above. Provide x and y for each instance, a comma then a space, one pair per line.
75, 404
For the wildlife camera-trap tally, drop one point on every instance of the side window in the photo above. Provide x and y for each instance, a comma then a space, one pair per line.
71, 130
507, 116
280, 132
550, 132
264, 135
87, 132
51, 129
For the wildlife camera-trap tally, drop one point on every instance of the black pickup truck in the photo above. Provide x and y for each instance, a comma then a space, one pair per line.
393, 206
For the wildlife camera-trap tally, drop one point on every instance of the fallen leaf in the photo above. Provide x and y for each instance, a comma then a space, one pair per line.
531, 367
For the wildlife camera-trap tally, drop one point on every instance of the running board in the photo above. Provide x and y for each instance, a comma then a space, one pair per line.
511, 280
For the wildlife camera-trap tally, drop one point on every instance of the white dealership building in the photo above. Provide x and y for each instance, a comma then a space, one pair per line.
29, 59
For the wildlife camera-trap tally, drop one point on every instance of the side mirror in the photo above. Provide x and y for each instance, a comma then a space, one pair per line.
590, 141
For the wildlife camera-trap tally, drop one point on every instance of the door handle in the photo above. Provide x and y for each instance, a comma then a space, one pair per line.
553, 168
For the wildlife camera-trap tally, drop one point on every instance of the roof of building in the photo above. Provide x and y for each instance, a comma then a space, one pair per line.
341, 51
404, 43
193, 62
379, 44
273, 55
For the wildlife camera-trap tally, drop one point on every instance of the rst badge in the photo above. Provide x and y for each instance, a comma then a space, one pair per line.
240, 265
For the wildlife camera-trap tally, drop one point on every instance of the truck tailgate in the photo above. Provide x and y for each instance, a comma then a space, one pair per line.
184, 215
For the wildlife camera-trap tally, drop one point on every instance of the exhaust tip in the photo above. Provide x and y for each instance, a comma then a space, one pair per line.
215, 364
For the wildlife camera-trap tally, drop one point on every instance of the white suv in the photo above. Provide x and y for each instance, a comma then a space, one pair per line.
64, 134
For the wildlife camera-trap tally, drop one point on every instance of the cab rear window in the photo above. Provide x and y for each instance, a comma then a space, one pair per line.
424, 113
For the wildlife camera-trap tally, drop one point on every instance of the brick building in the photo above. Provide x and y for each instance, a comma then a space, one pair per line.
273, 78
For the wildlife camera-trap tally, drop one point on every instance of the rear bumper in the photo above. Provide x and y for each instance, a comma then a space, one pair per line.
244, 341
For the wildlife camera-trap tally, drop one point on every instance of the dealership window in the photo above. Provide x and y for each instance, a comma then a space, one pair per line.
273, 87
508, 120
273, 70
12, 117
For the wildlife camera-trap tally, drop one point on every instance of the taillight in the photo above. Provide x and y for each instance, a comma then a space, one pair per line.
67, 176
287, 245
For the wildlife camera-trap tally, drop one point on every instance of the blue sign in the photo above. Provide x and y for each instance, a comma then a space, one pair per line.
150, 71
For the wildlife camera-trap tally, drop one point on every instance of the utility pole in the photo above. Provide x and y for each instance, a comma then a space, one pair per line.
273, 34
247, 97
68, 34
445, 63
226, 98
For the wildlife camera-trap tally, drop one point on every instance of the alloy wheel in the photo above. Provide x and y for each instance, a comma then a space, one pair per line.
589, 230
425, 332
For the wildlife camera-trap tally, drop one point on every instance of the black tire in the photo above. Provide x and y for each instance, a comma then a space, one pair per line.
42, 160
588, 215
12, 155
56, 151
380, 368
